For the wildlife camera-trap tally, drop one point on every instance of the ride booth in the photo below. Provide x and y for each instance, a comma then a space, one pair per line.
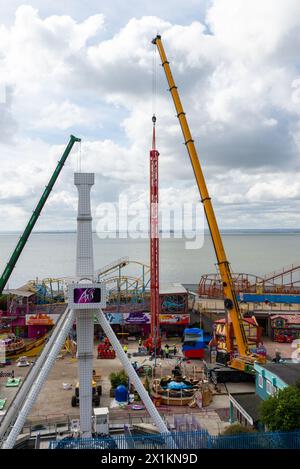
285, 327
193, 344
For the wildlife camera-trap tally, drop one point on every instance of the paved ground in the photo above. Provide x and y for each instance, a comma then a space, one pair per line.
53, 399
9, 393
54, 402
285, 349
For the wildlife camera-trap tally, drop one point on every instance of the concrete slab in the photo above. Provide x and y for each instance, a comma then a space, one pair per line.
219, 402
240, 387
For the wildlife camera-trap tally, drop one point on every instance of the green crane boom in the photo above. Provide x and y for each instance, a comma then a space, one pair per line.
34, 217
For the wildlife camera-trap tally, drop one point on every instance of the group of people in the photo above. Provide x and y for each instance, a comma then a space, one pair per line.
164, 352
167, 351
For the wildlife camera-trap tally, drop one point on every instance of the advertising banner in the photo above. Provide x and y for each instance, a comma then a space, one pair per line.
113, 318
128, 318
41, 319
137, 318
181, 319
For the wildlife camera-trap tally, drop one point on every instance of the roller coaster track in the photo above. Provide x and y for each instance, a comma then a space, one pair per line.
283, 281
284, 272
104, 275
117, 264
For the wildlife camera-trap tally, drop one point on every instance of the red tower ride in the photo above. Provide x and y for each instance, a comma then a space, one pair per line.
154, 243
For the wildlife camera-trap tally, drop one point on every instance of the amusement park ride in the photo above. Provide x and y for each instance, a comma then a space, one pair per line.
87, 291
283, 282
153, 343
86, 298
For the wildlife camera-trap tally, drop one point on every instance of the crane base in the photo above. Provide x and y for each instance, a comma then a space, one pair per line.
225, 374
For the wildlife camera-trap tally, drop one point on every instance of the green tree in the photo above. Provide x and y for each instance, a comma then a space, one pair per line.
118, 378
282, 411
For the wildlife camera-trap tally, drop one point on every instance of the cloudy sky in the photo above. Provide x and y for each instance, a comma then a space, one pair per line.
87, 67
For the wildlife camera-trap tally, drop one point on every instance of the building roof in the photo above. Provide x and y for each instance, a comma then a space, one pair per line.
291, 318
171, 289
101, 410
249, 403
287, 372
249, 320
21, 291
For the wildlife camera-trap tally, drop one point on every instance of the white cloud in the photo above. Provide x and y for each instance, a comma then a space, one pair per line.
36, 49
253, 29
63, 116
238, 76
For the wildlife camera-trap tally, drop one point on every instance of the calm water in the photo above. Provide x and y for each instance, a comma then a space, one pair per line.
53, 255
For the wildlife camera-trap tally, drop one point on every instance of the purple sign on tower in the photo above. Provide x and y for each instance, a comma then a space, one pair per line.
87, 295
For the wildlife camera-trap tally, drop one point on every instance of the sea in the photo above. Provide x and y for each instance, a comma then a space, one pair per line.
53, 254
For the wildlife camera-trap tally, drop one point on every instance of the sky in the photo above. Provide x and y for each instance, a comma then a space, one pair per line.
87, 68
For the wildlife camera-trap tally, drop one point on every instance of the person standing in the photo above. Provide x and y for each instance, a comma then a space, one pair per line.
277, 356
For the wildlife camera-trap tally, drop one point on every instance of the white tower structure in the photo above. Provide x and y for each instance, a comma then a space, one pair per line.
86, 299
85, 318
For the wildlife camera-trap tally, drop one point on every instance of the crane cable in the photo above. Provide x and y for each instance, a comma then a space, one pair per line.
79, 158
154, 92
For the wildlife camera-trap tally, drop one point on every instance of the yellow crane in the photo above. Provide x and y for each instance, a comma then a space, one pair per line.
246, 359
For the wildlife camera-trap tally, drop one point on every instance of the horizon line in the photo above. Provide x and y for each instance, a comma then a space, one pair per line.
206, 230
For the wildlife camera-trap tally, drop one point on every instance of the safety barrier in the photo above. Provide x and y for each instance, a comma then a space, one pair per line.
186, 440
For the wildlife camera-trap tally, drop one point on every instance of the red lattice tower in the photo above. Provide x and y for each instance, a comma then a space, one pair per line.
154, 241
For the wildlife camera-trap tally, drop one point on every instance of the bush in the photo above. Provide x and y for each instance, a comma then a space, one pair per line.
118, 378
237, 429
282, 411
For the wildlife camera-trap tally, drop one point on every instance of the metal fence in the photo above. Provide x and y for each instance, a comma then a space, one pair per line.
185, 440
261, 440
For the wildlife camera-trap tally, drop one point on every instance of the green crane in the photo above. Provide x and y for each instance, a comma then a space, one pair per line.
34, 217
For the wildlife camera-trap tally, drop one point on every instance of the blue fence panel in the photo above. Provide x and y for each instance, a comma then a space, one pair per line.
185, 440
260, 440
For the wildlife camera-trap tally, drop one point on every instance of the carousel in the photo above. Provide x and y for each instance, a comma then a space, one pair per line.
178, 390
12, 345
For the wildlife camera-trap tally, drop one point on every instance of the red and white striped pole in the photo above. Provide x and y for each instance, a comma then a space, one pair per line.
154, 241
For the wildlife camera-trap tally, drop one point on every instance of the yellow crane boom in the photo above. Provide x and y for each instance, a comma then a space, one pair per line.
231, 303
